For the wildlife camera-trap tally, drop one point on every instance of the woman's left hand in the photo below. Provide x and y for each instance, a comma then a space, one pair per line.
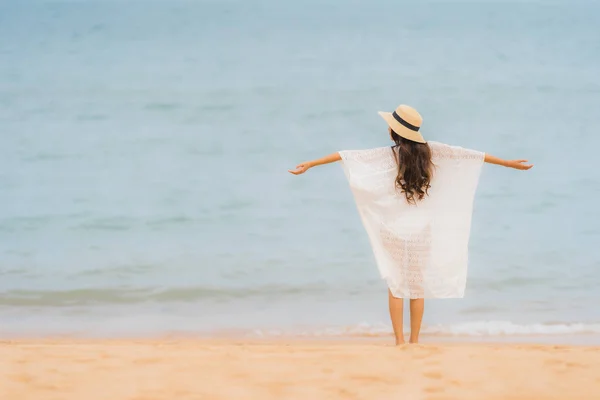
305, 166
300, 168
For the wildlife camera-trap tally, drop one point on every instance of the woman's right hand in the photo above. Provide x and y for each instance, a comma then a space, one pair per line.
519, 164
516, 164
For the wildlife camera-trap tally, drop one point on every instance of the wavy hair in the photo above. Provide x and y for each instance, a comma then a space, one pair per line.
415, 168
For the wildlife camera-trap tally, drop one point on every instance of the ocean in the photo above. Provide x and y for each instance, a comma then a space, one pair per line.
144, 148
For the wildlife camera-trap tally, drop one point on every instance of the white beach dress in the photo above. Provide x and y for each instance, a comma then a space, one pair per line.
421, 250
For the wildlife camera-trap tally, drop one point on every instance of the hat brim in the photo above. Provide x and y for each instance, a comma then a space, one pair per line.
400, 129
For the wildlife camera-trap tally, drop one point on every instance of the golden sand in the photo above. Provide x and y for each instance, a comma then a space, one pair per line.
229, 369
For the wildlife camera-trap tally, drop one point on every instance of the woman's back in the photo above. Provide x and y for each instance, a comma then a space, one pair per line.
429, 236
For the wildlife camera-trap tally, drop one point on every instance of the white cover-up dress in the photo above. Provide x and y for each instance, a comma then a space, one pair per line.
421, 250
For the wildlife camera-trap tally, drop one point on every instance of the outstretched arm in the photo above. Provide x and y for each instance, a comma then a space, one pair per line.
305, 166
516, 164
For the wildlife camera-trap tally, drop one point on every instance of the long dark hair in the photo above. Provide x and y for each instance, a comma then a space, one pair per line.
415, 168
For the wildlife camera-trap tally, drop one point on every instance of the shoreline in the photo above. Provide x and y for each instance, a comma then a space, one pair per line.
578, 339
223, 368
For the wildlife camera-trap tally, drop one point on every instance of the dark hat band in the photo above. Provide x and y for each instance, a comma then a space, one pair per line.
404, 123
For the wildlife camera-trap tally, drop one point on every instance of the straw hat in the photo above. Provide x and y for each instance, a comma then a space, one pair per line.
406, 122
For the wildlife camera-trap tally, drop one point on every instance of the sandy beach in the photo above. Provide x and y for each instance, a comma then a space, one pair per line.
229, 369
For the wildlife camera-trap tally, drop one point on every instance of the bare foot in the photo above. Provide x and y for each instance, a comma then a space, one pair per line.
400, 342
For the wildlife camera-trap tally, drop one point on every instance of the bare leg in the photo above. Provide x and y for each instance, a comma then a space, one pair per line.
416, 316
396, 314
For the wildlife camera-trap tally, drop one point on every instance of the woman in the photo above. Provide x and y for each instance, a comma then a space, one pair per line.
415, 200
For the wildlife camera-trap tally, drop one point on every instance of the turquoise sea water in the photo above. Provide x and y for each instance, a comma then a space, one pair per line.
144, 147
